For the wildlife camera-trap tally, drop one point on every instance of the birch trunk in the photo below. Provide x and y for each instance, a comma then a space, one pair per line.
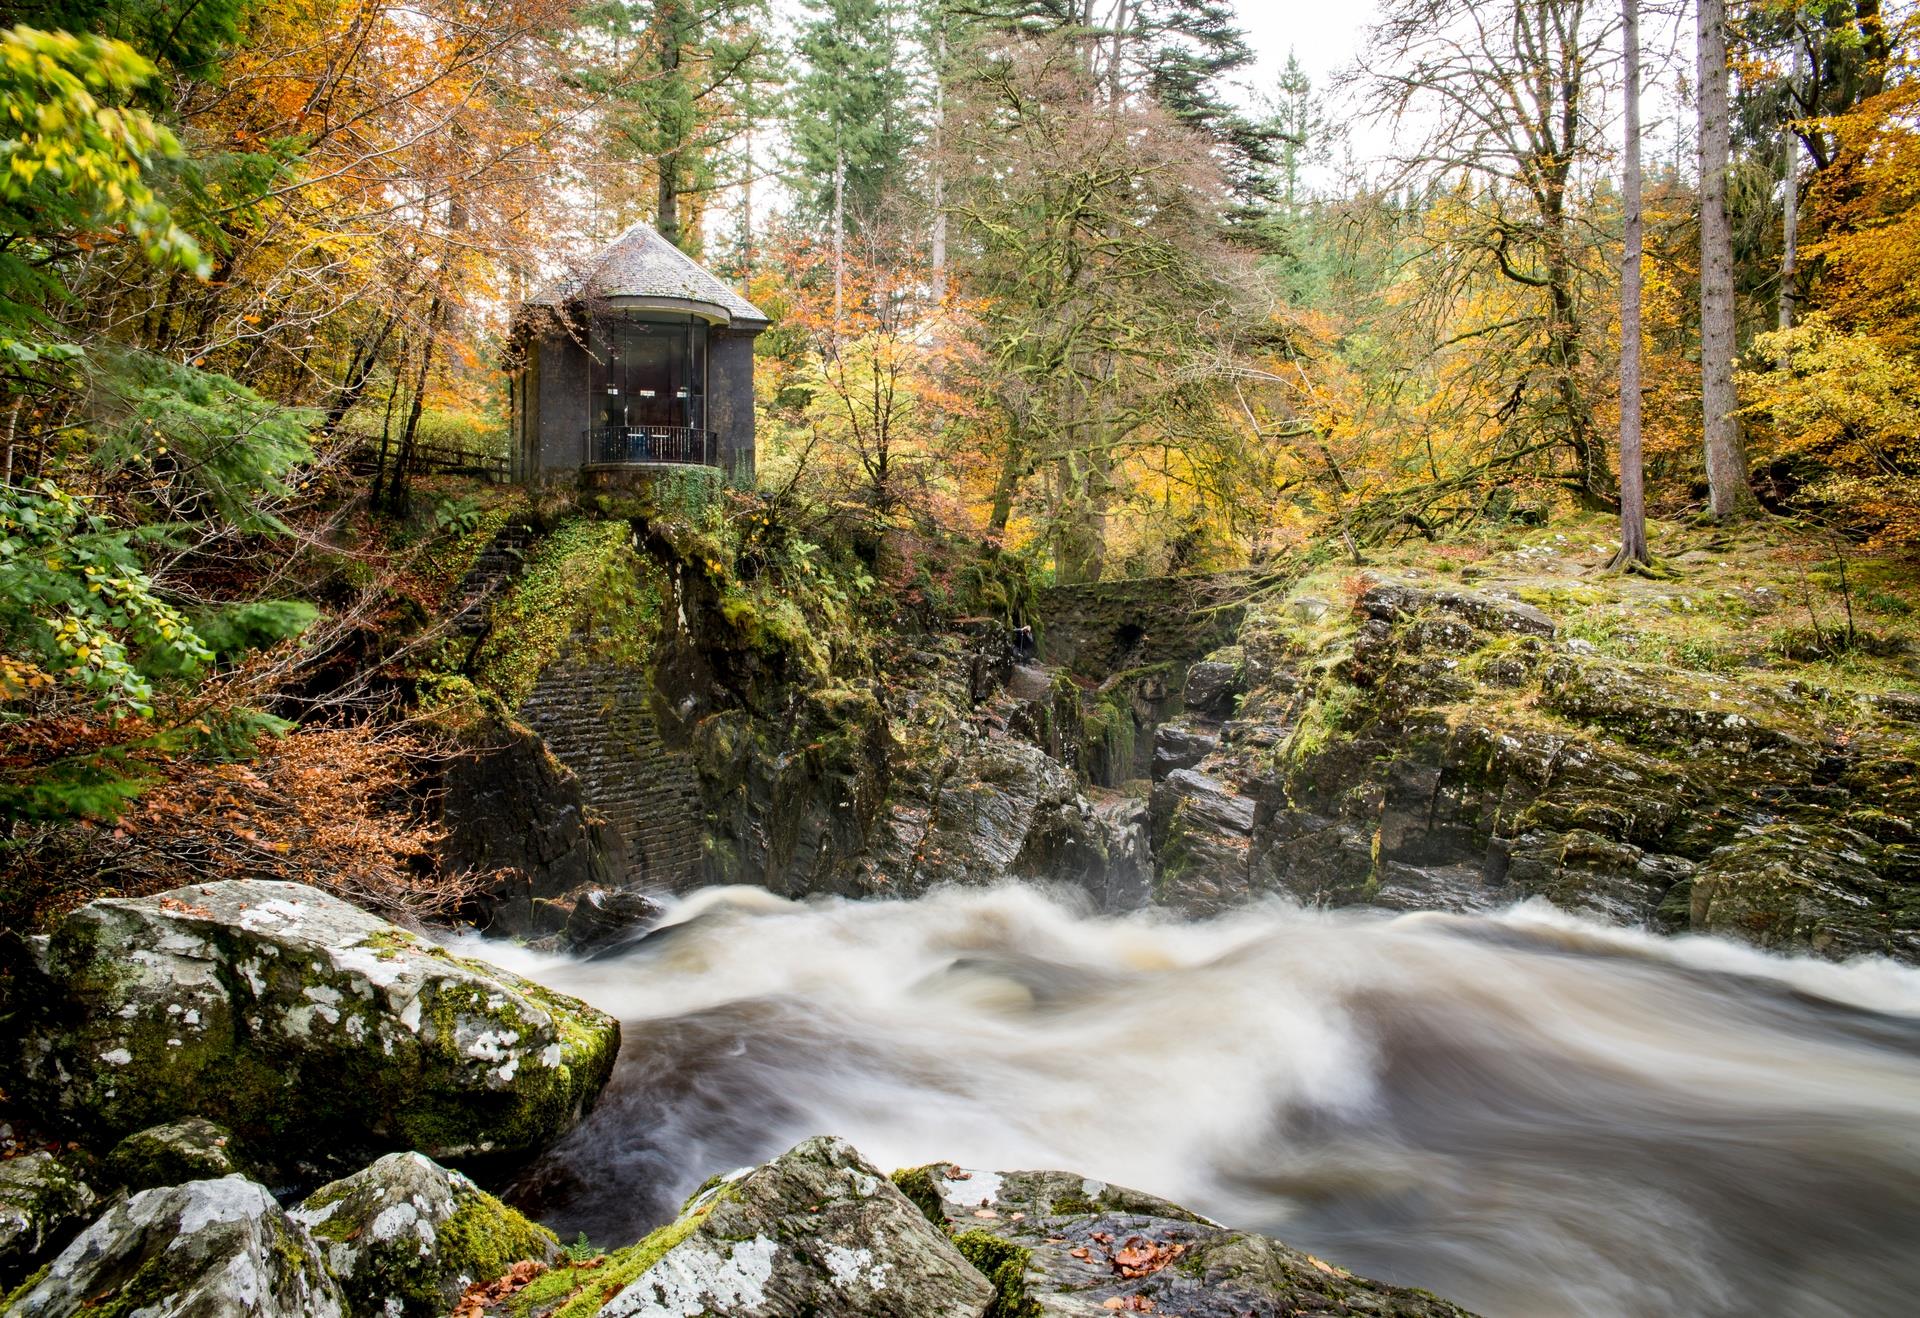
1790, 199
839, 237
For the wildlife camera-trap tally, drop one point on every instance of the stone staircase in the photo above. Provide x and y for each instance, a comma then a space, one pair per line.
495, 566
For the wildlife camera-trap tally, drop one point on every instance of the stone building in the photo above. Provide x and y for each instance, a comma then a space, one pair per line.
637, 358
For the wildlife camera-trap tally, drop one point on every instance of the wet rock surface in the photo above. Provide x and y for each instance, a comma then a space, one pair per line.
608, 917
1440, 748
210, 1249
1080, 1248
312, 1030
512, 810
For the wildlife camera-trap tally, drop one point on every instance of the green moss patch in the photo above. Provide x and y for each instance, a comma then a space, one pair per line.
584, 579
1004, 1264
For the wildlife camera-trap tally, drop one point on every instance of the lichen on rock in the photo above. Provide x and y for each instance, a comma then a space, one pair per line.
816, 1231
317, 1033
44, 1198
406, 1236
211, 1249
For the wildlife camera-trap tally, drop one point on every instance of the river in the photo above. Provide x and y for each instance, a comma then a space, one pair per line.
1527, 1113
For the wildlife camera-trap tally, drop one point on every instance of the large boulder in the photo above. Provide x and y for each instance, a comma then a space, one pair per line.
1202, 828
1059, 1245
406, 1237
816, 1231
43, 1200
207, 1249
312, 1030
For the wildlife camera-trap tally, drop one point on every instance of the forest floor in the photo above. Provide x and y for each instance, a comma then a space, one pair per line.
1765, 597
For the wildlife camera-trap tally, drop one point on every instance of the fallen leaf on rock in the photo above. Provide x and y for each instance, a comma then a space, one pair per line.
1129, 1304
1080, 1253
475, 1299
986, 1213
1140, 1257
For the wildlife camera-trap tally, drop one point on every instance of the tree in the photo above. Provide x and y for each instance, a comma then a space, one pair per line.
1111, 314
186, 451
1633, 498
683, 81
1728, 494
849, 127
1500, 100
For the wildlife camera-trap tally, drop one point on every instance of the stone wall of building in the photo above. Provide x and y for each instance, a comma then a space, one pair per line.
595, 719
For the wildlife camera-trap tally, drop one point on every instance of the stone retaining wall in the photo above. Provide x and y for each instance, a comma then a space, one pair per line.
1112, 626
595, 718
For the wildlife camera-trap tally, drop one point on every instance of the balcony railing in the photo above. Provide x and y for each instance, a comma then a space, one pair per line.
620, 446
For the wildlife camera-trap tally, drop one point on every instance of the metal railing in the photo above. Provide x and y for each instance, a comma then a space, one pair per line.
615, 446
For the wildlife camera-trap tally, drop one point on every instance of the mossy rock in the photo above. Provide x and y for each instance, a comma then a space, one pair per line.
816, 1231
213, 1249
191, 1149
316, 1032
406, 1236
44, 1198
1057, 1242
1796, 888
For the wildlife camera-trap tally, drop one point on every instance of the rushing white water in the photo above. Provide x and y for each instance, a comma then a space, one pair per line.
1529, 1114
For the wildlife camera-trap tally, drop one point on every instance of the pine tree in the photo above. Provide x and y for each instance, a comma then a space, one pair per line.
851, 128
683, 80
1189, 48
1296, 126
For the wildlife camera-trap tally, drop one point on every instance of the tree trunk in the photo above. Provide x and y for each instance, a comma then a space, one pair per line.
1729, 496
839, 237
1790, 199
400, 486
667, 163
746, 223
939, 182
1633, 498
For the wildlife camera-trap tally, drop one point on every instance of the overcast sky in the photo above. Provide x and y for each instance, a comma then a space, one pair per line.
1324, 36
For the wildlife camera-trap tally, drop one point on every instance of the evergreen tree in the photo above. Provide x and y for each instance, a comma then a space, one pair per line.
1189, 49
1296, 127
683, 81
851, 126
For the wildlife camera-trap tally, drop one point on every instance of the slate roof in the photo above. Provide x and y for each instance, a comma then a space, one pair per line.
640, 263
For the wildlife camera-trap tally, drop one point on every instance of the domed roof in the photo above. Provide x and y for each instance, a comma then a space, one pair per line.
641, 270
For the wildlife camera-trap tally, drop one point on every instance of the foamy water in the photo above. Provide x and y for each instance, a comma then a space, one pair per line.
1530, 1114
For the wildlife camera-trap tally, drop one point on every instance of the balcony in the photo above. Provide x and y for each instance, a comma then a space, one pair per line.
640, 446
